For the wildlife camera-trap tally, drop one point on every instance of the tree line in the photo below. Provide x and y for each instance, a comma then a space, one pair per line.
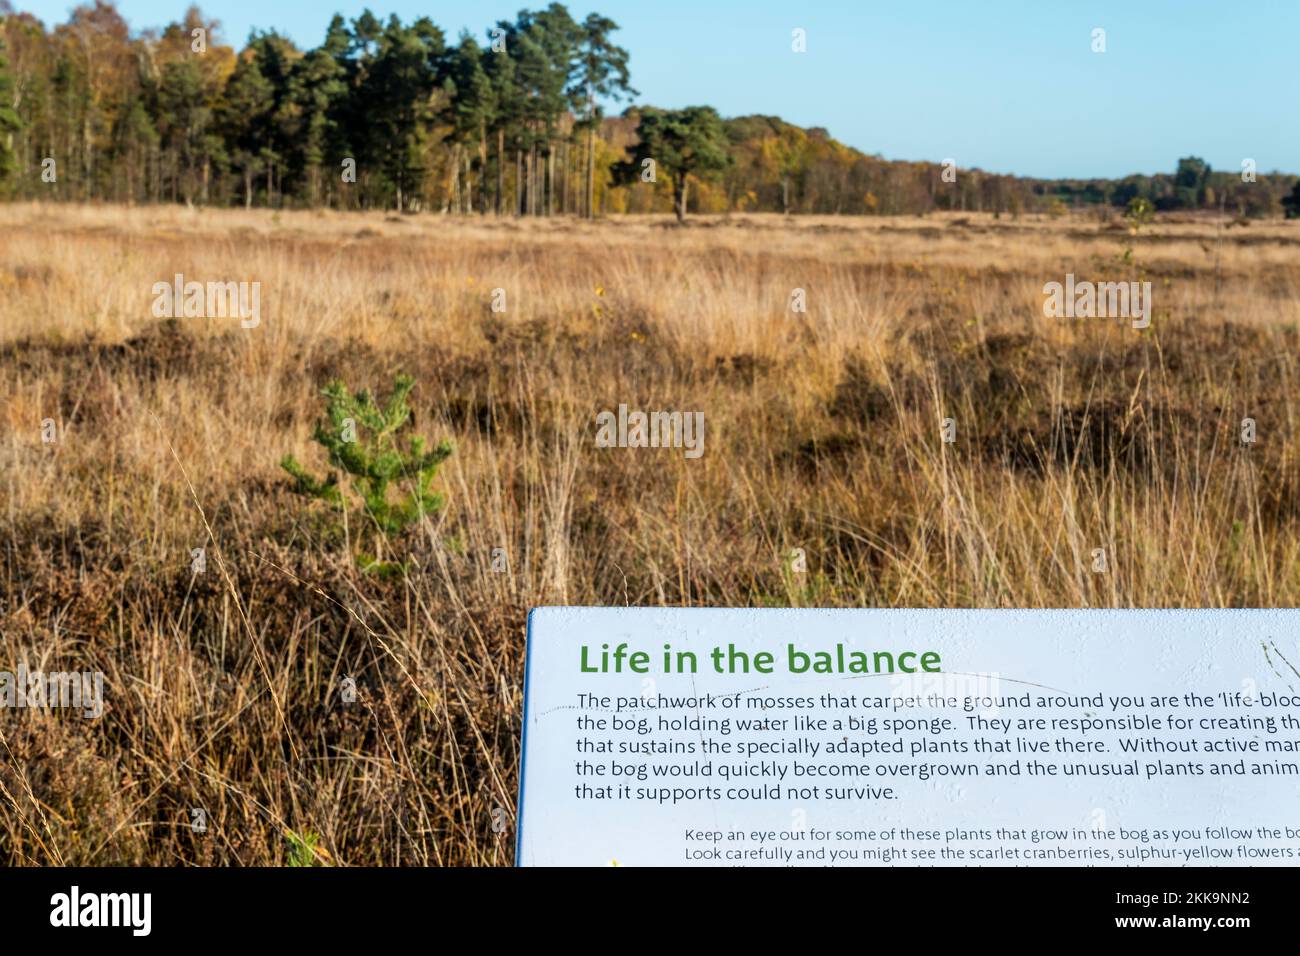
1193, 185
386, 114
381, 114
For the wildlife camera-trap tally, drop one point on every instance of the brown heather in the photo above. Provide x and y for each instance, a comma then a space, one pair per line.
822, 433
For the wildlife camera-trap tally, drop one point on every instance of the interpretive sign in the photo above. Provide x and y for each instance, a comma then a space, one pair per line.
910, 737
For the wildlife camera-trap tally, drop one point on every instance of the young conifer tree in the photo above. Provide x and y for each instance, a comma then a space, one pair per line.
389, 476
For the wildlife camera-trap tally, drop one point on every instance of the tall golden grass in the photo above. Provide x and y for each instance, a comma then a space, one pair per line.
822, 434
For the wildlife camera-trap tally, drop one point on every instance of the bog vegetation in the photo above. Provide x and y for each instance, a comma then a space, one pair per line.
310, 616
320, 712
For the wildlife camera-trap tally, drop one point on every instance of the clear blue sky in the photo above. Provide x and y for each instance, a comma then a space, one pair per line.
1006, 85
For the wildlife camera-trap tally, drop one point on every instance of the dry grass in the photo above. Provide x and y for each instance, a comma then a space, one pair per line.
822, 434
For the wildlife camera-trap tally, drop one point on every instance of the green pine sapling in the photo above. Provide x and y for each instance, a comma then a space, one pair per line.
361, 439
1137, 214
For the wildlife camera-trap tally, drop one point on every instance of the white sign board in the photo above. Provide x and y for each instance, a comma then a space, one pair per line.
910, 738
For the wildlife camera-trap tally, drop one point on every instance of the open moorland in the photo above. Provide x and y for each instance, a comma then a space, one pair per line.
1088, 464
